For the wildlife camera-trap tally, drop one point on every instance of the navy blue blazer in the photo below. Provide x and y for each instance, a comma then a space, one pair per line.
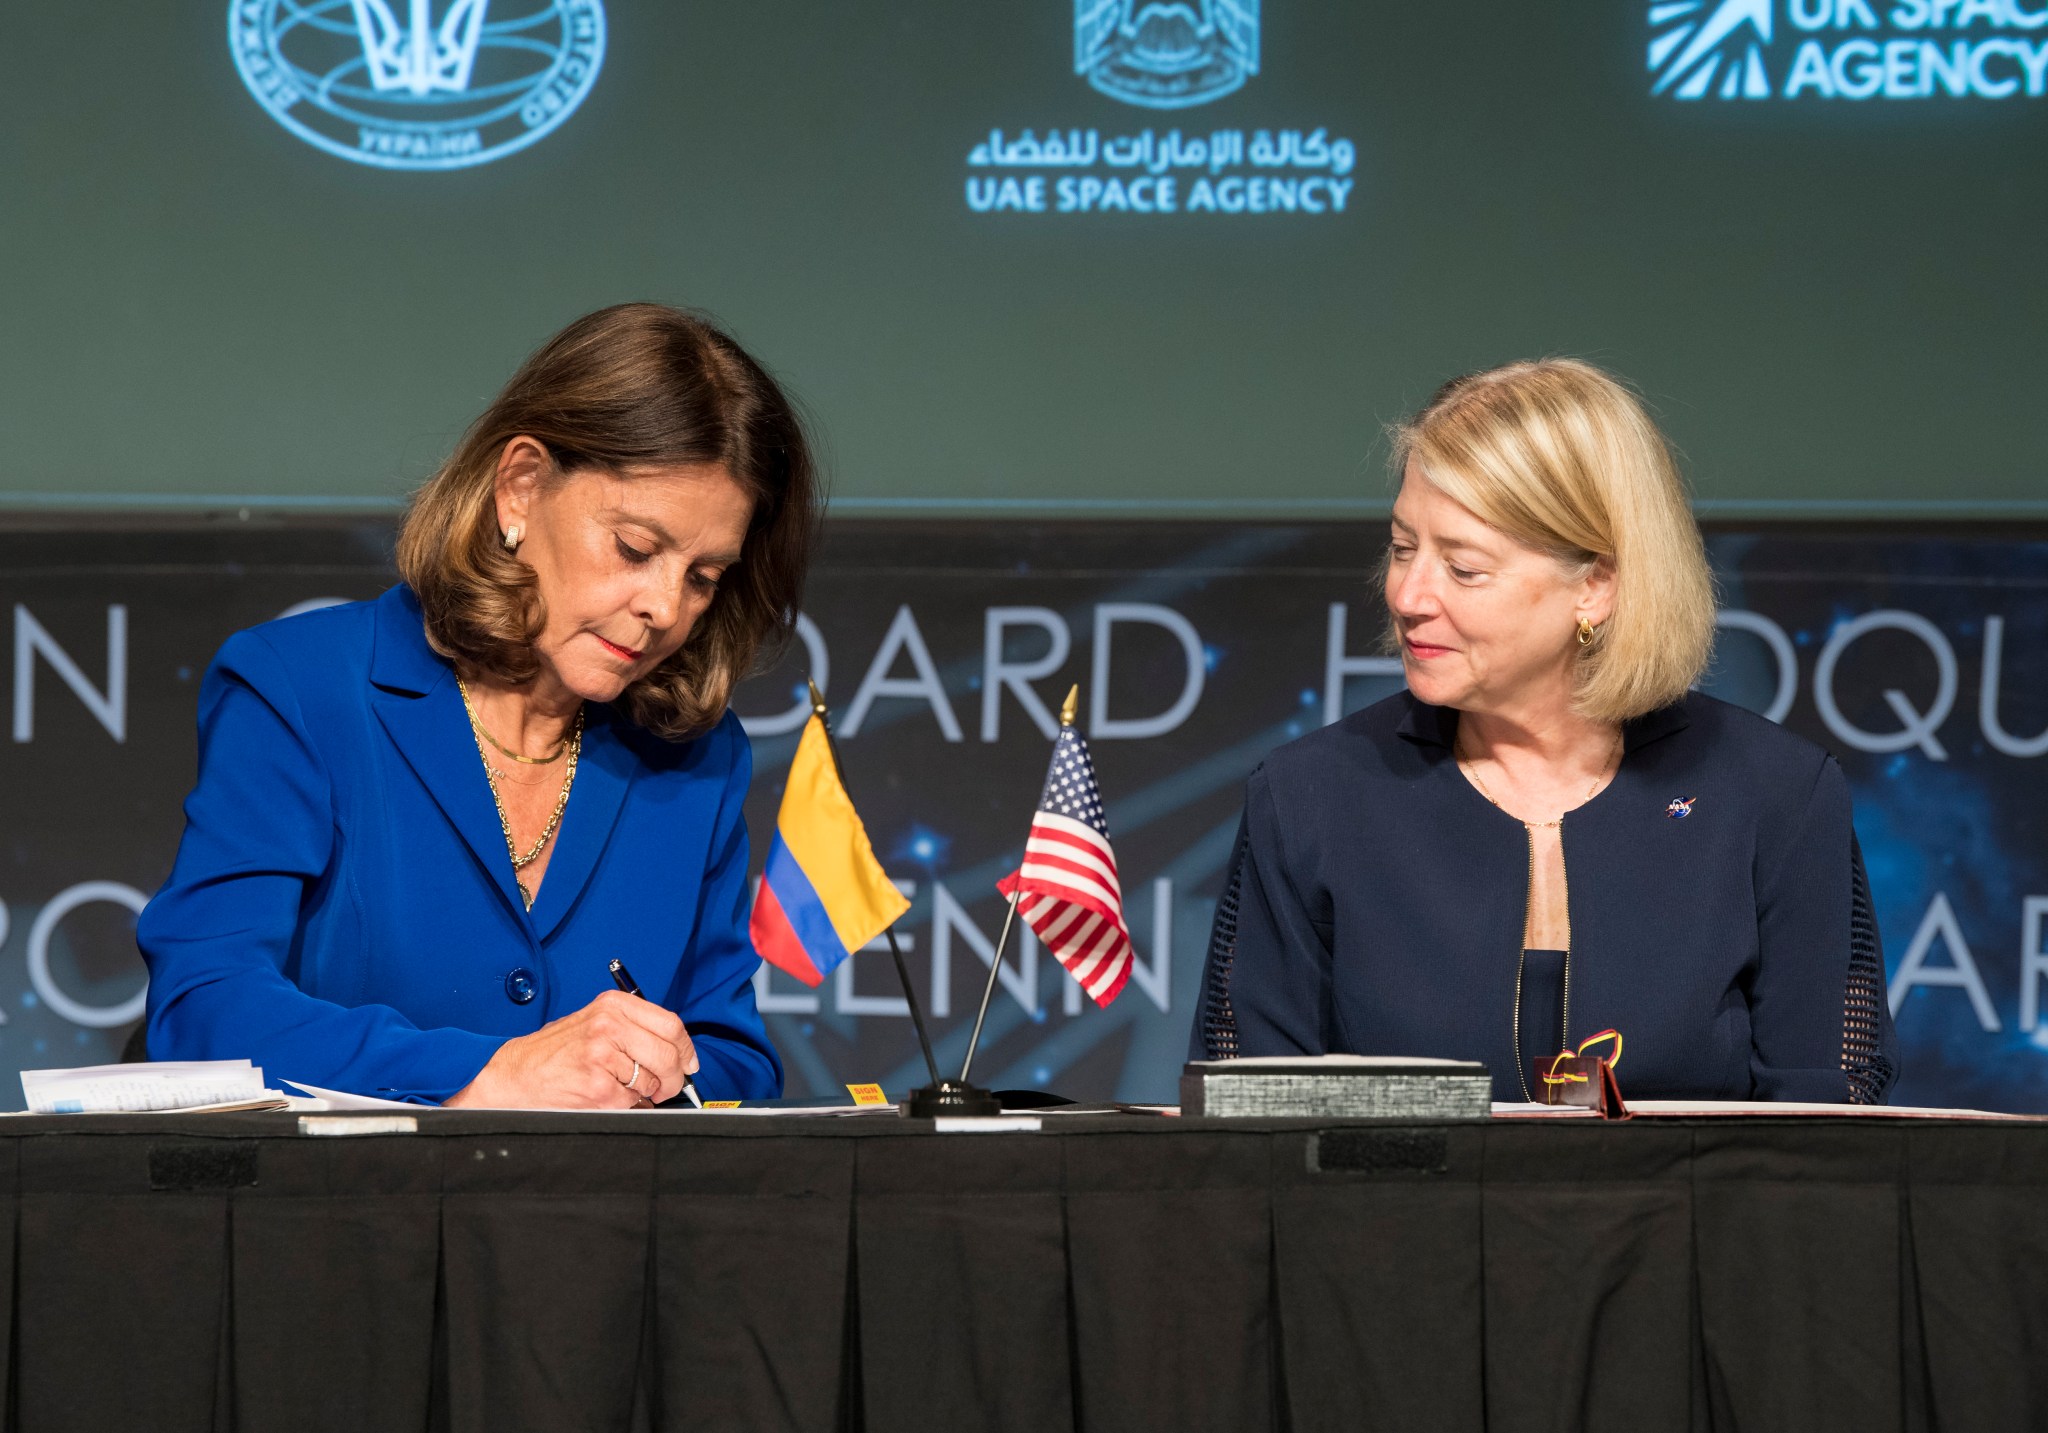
342, 910
1376, 905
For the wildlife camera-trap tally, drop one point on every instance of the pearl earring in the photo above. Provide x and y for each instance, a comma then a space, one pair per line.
512, 535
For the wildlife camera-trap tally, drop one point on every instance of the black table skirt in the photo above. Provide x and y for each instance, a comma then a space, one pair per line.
500, 1272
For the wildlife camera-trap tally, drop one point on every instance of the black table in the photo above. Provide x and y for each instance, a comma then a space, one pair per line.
502, 1272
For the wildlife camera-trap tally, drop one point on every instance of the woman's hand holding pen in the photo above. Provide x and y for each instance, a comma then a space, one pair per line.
617, 1052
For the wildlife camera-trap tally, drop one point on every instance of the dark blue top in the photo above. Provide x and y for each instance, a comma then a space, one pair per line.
342, 910
1376, 905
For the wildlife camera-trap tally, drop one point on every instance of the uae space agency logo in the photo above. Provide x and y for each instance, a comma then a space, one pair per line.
1166, 55
419, 84
1848, 49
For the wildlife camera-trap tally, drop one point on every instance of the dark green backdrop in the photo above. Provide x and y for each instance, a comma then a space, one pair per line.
1830, 303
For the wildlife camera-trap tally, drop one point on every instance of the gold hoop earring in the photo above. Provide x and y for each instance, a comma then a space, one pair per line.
1585, 633
512, 535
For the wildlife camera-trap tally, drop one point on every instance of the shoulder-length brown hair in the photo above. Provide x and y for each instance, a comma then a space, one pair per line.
629, 387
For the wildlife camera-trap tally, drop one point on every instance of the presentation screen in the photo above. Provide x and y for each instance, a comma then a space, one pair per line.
1031, 256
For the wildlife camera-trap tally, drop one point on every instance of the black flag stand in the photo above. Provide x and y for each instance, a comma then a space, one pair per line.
910, 991
995, 966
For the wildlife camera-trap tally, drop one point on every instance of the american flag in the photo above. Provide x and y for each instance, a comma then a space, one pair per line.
1067, 888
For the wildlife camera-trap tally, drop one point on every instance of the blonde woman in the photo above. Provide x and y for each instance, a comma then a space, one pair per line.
424, 825
1548, 834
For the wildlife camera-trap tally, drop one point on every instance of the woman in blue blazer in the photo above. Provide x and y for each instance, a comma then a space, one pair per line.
425, 824
1546, 836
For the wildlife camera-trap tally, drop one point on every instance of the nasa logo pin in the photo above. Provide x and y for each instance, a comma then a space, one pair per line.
418, 84
1681, 808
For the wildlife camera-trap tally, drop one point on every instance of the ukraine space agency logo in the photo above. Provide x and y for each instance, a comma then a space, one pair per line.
1848, 49
1166, 55
418, 84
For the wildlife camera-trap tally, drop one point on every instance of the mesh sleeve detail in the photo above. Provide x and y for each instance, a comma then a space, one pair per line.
1219, 1020
1864, 1061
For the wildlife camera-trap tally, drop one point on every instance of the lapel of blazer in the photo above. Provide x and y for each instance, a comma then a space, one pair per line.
604, 774
416, 699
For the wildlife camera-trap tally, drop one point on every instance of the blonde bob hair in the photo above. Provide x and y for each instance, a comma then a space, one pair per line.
1563, 458
627, 388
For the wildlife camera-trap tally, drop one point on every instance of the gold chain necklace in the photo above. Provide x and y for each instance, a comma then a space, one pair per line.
477, 723
1522, 957
1606, 775
573, 745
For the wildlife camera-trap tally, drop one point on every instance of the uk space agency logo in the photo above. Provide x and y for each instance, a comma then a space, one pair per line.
1695, 43
418, 84
1166, 55
1853, 50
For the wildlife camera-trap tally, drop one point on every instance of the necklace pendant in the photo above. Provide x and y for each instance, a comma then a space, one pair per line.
524, 894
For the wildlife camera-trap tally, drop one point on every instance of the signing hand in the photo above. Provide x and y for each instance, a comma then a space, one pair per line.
585, 1061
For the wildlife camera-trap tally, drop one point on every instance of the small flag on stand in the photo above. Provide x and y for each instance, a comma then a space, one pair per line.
823, 895
1067, 888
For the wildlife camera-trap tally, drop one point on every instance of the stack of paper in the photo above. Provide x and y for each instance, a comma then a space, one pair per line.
168, 1085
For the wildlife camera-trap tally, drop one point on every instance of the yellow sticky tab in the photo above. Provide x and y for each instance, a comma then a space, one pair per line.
721, 1104
867, 1094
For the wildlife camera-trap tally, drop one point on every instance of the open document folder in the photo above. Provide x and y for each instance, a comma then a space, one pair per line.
164, 1085
1753, 1109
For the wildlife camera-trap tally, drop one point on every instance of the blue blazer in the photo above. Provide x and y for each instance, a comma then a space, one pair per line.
1376, 903
342, 910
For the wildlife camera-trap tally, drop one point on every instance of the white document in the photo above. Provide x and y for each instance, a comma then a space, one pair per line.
1332, 1062
165, 1085
342, 1100
828, 1112
1503, 1111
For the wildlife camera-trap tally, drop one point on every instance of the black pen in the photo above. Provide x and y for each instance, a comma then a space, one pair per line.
623, 978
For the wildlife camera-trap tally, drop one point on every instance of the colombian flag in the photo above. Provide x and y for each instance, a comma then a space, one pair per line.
824, 895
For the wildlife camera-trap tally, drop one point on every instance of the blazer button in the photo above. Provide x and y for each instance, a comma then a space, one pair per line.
520, 986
